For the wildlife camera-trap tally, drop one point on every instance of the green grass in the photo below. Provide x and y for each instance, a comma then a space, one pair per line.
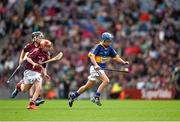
112, 110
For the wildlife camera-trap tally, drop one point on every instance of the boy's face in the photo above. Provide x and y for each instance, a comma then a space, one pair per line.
38, 38
107, 43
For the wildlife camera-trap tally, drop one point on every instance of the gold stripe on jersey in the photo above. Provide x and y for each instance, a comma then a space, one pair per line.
100, 59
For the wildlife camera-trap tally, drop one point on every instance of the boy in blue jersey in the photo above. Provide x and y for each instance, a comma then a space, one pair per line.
99, 56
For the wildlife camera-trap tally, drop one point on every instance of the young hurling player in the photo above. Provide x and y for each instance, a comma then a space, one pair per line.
36, 39
99, 56
34, 71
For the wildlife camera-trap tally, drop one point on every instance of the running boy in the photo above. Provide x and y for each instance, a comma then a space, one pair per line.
99, 56
34, 70
37, 36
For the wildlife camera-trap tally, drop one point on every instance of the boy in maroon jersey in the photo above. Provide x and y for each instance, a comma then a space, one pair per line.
34, 70
36, 39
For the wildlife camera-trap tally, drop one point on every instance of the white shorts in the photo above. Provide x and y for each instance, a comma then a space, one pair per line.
94, 74
31, 76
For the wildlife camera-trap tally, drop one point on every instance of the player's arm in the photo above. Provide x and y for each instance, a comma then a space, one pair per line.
24, 53
31, 56
92, 58
32, 62
118, 59
21, 56
92, 55
45, 74
44, 71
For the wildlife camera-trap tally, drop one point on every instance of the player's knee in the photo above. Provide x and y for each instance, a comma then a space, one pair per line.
106, 81
23, 90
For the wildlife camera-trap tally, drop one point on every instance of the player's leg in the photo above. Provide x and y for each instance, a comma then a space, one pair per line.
38, 87
31, 92
74, 95
87, 86
26, 80
105, 81
39, 100
20, 87
91, 81
17, 89
25, 87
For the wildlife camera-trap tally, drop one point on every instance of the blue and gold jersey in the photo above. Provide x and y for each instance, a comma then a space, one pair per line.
102, 54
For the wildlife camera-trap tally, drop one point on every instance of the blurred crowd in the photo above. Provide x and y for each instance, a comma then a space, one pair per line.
147, 34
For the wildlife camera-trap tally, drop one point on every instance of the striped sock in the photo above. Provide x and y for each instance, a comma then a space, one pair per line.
75, 95
97, 94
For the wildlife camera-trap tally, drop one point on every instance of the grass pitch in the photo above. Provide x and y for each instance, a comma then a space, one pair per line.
84, 110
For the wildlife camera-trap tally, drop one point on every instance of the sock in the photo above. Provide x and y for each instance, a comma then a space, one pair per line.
18, 86
97, 94
75, 95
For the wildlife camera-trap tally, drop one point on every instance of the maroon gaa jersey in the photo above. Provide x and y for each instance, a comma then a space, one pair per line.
29, 47
37, 55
